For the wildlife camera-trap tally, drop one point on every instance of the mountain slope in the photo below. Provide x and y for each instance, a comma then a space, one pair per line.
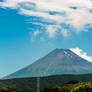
59, 61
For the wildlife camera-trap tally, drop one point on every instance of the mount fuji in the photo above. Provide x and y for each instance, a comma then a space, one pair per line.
57, 62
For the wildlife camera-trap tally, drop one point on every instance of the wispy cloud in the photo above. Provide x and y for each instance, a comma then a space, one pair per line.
81, 53
75, 13
52, 31
36, 33
65, 33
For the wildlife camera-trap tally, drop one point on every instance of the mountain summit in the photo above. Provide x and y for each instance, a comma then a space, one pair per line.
57, 62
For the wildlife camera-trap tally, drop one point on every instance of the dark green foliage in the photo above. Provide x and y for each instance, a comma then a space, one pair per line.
73, 82
79, 87
83, 88
8, 89
56, 89
30, 84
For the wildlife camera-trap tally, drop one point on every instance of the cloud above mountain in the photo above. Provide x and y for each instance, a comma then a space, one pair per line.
81, 53
77, 14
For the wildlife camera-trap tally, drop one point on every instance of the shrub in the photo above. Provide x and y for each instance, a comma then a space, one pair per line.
83, 88
8, 89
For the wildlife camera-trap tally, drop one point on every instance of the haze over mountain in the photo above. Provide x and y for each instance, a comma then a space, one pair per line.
57, 62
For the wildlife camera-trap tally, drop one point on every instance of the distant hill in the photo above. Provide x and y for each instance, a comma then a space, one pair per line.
57, 62
30, 84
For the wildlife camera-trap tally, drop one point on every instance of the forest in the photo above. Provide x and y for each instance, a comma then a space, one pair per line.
72, 86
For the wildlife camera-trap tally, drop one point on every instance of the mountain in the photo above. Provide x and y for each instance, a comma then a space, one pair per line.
30, 84
59, 61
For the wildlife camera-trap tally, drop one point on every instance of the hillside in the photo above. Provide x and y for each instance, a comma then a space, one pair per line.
77, 87
29, 84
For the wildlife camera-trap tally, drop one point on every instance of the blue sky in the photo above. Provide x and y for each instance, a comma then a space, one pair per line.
28, 32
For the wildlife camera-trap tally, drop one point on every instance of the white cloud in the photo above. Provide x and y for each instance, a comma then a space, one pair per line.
65, 33
75, 13
51, 31
81, 53
36, 33
44, 15
37, 23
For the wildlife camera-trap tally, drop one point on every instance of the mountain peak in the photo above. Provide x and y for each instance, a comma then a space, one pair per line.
59, 61
61, 49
